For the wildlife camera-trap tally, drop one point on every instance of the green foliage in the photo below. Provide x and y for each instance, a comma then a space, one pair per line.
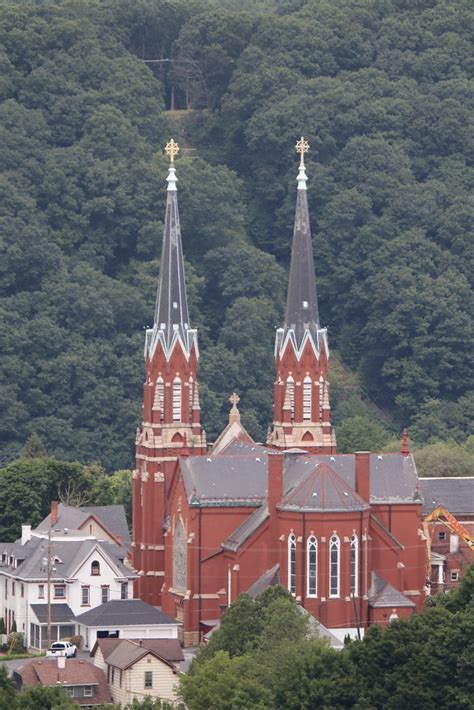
7, 689
444, 459
382, 92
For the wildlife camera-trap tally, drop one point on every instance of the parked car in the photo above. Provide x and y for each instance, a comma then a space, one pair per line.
62, 648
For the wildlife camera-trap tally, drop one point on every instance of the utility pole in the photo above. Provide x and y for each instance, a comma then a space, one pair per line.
49, 586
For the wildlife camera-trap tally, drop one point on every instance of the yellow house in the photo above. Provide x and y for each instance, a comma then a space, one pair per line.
139, 668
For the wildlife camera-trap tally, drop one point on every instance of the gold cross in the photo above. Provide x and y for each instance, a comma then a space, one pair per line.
171, 149
302, 147
234, 399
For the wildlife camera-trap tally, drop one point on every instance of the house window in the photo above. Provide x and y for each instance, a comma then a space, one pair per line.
71, 691
113, 675
95, 568
120, 678
88, 691
22, 590
176, 399
455, 576
13, 589
334, 566
307, 398
161, 392
6, 589
105, 594
85, 591
354, 554
292, 564
40, 591
124, 590
442, 536
312, 567
290, 388
59, 591
148, 679
179, 557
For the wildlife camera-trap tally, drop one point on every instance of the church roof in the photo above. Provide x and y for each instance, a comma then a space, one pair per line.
382, 594
246, 529
322, 489
270, 578
455, 494
225, 480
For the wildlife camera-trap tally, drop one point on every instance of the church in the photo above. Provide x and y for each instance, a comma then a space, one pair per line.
341, 532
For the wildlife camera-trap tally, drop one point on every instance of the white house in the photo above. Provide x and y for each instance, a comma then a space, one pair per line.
125, 619
89, 568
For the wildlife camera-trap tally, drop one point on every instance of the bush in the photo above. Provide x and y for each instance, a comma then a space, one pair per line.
76, 640
16, 642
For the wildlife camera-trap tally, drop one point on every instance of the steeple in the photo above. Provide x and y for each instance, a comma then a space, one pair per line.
301, 415
171, 321
302, 304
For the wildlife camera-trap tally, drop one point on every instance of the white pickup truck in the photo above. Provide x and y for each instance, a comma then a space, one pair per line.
62, 648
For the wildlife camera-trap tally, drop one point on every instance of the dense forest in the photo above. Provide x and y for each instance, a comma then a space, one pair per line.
89, 94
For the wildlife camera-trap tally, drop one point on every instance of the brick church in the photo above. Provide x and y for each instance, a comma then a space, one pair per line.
341, 532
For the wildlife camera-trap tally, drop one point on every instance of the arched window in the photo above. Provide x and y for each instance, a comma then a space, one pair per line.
176, 399
354, 558
334, 547
179, 557
312, 567
95, 568
290, 388
292, 564
161, 392
321, 396
307, 398
191, 397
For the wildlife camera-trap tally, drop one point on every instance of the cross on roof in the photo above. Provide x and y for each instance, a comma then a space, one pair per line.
234, 399
171, 150
302, 147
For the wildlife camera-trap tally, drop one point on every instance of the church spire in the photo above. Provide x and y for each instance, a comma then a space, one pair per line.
171, 311
302, 304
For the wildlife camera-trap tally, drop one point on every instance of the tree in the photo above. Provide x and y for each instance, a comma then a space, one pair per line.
359, 433
34, 448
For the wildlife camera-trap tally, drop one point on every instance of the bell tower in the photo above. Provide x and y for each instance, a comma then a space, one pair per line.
302, 415
171, 411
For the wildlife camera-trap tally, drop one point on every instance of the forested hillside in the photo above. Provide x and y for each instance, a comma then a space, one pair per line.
383, 91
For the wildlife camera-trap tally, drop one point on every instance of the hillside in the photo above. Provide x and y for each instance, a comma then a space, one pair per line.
384, 93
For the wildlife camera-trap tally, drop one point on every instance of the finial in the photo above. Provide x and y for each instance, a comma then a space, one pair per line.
171, 149
302, 147
234, 415
404, 449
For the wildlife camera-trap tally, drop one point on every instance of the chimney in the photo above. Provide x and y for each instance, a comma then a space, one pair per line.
362, 474
404, 449
54, 512
61, 662
275, 480
25, 534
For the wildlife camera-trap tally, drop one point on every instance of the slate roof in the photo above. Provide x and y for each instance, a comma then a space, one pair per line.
76, 673
322, 489
124, 612
246, 529
382, 594
240, 476
70, 553
111, 516
302, 303
270, 578
60, 613
455, 494
168, 649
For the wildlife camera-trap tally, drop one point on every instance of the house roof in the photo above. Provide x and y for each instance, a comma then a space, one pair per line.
168, 649
124, 612
382, 594
268, 579
112, 517
239, 477
70, 555
60, 613
246, 529
127, 652
46, 672
322, 489
455, 494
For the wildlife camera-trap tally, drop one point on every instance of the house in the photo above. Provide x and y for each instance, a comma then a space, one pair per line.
450, 554
344, 531
128, 619
88, 567
139, 668
84, 682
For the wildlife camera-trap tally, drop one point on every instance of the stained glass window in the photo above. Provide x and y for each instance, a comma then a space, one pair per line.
179, 557
312, 566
